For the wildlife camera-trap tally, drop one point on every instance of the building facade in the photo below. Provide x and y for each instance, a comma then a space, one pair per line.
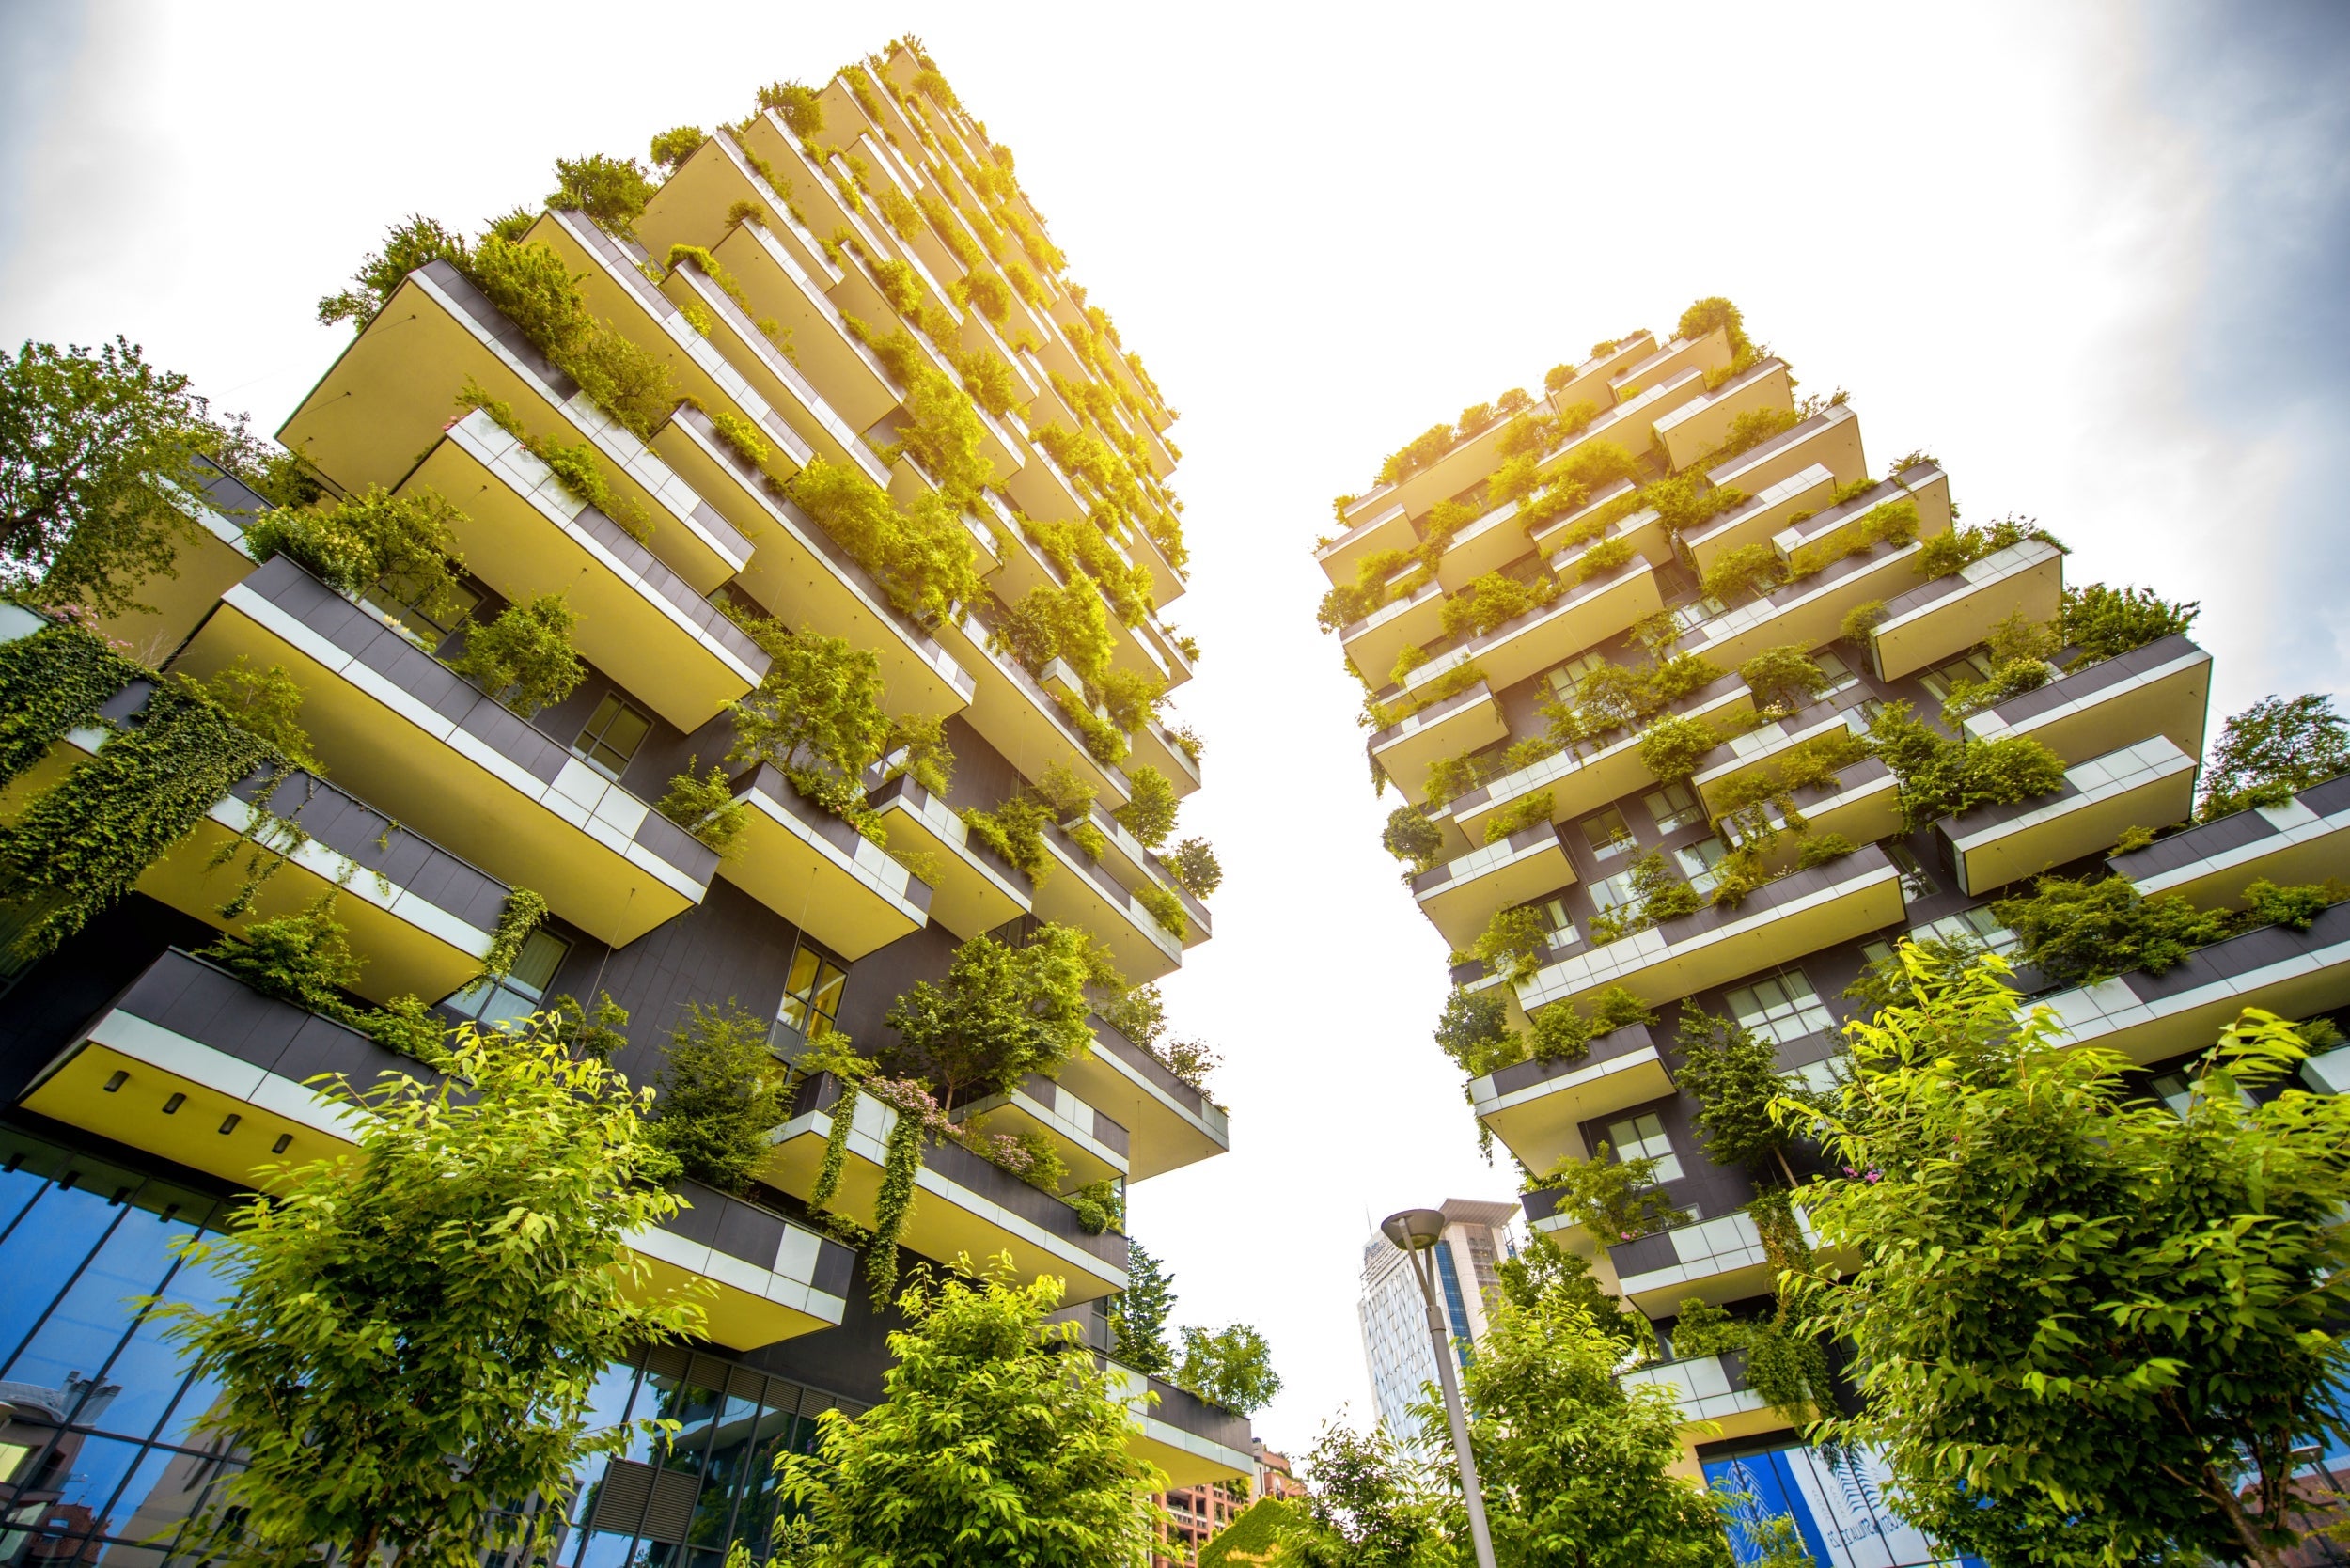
1623, 646
822, 388
1396, 1351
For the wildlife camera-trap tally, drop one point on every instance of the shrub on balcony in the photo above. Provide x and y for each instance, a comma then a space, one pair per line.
1483, 604
1149, 814
1411, 837
722, 1093
1783, 677
370, 538
574, 463
705, 807
1002, 1013
1672, 748
801, 107
1941, 777
817, 718
1606, 556
1747, 430
533, 289
1533, 808
1895, 523
1562, 1032
1743, 573
1166, 908
1615, 1201
672, 147
1961, 547
1823, 849
612, 191
409, 244
918, 552
1015, 830
2105, 623
1195, 868
1513, 945
525, 659
1474, 1030
1713, 312
2270, 750
2077, 933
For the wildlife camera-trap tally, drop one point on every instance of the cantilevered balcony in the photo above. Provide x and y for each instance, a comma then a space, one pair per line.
1759, 518
1536, 1107
1094, 1146
2151, 784
1487, 544
1449, 727
1769, 745
417, 741
1681, 356
395, 389
1703, 423
1169, 1123
1373, 641
1589, 383
2151, 1018
1924, 487
1940, 620
1077, 893
695, 203
976, 889
525, 533
613, 277
1830, 438
1809, 613
2303, 840
963, 1205
1714, 1259
1137, 868
1582, 782
2163, 688
1014, 714
854, 379
819, 872
1779, 922
421, 918
207, 560
1462, 895
1370, 528
1582, 616
1862, 804
1643, 532
1191, 1441
189, 1065
1710, 1390
1156, 746
1632, 424
806, 579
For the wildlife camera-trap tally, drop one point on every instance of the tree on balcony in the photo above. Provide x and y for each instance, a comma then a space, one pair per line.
998, 1441
418, 1327
2088, 1327
2271, 749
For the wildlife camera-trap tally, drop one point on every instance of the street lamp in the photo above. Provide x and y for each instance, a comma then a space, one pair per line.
1417, 1234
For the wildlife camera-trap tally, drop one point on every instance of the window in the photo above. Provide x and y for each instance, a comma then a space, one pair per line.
1696, 613
1612, 893
1780, 1009
1916, 881
520, 991
1974, 667
1976, 925
396, 596
1553, 913
614, 732
1642, 1138
1567, 677
1700, 863
1607, 835
811, 1000
1674, 808
1840, 676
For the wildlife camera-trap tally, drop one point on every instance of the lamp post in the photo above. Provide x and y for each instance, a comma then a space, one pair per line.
1417, 1234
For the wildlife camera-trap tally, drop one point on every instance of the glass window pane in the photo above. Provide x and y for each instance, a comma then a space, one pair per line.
79, 1476
534, 968
82, 1330
1606, 834
47, 1249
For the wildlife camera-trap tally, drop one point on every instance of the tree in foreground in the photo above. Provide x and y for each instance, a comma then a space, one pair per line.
1373, 1504
417, 1324
2088, 1329
998, 1441
1575, 1466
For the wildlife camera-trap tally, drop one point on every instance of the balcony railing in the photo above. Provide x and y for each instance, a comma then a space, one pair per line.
1536, 1107
963, 1205
977, 888
2303, 840
1830, 438
2151, 1018
1718, 1260
1761, 516
2149, 784
2163, 688
1701, 425
1711, 1389
821, 873
1810, 613
420, 742
1798, 913
1095, 1147
191, 1066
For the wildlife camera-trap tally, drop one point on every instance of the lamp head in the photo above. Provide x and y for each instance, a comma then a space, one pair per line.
1414, 1230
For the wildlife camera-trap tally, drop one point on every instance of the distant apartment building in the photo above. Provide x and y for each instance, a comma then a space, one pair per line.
1395, 1322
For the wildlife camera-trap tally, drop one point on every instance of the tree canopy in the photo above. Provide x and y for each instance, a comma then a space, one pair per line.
2272, 749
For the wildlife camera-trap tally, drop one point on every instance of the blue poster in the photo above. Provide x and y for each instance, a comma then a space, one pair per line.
1838, 1510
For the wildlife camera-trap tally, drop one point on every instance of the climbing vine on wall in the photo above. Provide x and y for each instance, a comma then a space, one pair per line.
50, 683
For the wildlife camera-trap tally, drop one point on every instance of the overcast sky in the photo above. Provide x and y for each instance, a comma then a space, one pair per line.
2090, 257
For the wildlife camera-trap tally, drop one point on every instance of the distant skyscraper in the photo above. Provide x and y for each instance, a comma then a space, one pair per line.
1395, 1325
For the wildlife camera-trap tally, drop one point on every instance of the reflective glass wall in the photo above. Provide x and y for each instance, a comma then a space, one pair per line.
100, 1457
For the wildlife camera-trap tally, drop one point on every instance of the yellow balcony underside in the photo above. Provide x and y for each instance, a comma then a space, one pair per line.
1448, 729
1161, 1134
1540, 1126
852, 381
380, 753
2171, 700
1758, 520
2076, 823
844, 899
1388, 529
1013, 714
1459, 907
1386, 631
1696, 430
969, 895
1581, 786
2030, 584
1143, 949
